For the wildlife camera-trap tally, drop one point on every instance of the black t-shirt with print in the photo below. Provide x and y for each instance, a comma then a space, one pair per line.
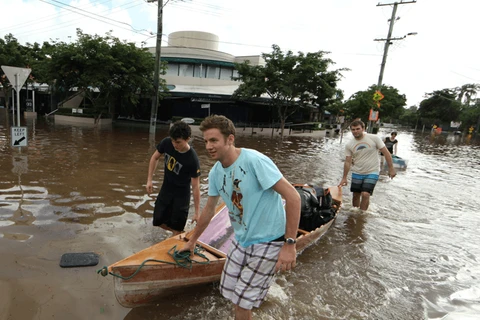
179, 167
389, 143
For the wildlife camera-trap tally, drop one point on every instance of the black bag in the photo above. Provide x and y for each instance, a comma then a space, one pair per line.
316, 208
324, 198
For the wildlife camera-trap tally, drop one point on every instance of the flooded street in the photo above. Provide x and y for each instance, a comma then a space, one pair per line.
413, 255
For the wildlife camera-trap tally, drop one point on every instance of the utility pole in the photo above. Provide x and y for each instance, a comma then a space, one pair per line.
387, 44
156, 76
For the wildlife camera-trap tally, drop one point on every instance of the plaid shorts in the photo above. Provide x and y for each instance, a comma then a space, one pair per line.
248, 273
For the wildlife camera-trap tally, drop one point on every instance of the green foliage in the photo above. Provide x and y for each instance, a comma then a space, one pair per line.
470, 115
441, 106
291, 81
360, 103
409, 117
112, 73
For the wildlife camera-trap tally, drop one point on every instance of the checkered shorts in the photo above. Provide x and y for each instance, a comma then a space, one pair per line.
248, 273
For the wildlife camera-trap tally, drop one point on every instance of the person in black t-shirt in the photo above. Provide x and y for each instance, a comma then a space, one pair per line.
181, 170
391, 143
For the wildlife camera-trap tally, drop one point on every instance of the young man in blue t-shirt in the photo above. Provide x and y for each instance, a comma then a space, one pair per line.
252, 187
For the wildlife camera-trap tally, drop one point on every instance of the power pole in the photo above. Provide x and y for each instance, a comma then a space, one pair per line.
387, 44
156, 76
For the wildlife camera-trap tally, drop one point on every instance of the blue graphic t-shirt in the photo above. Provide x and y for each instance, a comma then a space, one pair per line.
256, 210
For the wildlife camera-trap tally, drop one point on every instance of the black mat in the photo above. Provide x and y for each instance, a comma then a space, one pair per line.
82, 259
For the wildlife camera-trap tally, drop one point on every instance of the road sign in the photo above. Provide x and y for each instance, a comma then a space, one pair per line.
21, 73
29, 104
19, 136
373, 116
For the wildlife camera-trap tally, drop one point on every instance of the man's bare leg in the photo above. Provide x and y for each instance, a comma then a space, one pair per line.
356, 199
242, 314
365, 201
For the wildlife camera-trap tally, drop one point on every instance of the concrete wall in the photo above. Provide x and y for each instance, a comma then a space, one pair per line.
61, 119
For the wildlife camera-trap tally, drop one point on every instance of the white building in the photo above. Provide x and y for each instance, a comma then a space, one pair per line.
198, 74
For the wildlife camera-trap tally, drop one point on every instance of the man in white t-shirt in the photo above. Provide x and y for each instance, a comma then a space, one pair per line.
361, 154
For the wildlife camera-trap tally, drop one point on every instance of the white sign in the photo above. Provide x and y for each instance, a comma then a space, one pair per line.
21, 73
205, 105
19, 136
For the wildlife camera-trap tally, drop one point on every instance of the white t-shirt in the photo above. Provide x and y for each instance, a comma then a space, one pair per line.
364, 153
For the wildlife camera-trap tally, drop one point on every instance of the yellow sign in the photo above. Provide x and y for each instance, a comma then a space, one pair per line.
377, 96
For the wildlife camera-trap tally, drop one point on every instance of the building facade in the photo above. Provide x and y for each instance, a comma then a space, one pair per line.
199, 78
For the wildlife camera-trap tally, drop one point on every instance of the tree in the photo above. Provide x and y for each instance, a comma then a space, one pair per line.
290, 81
467, 92
440, 105
111, 73
410, 116
391, 106
12, 54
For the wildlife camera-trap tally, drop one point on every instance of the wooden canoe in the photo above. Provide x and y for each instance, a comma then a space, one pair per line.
154, 280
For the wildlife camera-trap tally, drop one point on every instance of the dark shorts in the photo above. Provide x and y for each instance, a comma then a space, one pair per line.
171, 209
363, 182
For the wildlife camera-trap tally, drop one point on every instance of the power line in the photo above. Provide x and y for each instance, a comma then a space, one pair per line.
90, 15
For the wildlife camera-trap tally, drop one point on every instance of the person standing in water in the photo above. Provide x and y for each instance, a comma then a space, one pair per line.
391, 143
181, 170
252, 188
361, 154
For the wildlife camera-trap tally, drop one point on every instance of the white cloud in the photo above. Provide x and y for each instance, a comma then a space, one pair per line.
442, 55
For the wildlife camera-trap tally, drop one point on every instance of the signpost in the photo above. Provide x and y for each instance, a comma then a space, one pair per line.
29, 105
206, 106
17, 76
19, 136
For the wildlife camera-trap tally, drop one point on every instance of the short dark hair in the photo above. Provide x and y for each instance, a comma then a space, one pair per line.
394, 132
180, 130
356, 123
221, 123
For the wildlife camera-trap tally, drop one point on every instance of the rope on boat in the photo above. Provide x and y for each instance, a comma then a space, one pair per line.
181, 258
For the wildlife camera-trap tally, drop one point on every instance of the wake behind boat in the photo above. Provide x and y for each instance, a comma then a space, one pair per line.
162, 270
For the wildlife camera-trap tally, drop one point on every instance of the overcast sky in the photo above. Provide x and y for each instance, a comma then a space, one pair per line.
442, 55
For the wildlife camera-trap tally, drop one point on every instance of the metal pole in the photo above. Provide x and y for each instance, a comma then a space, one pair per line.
13, 104
33, 97
387, 45
384, 59
18, 99
156, 76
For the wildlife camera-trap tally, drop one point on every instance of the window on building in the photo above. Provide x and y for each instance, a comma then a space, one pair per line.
213, 72
226, 73
200, 71
185, 70
172, 69
235, 73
